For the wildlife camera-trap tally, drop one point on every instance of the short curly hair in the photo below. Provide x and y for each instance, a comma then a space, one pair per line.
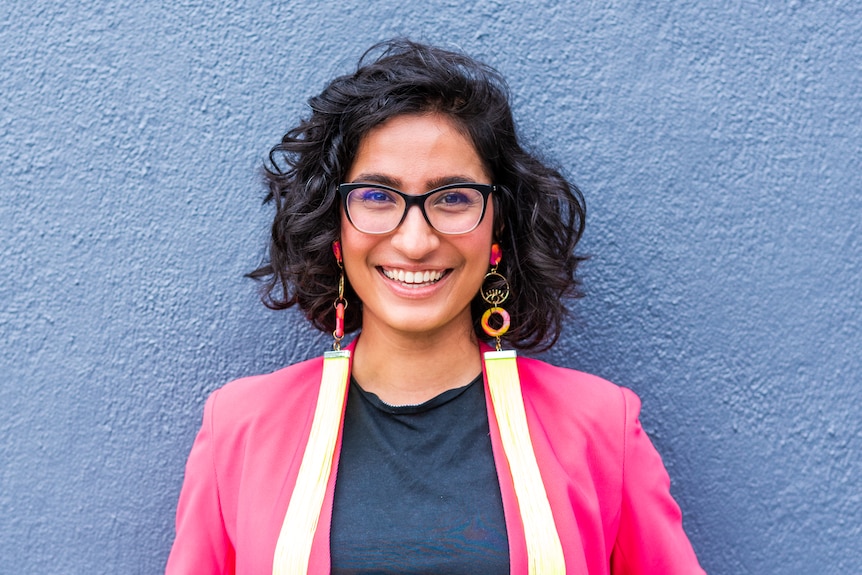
539, 216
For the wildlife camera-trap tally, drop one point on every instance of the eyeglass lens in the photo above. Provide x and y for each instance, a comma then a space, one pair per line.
451, 211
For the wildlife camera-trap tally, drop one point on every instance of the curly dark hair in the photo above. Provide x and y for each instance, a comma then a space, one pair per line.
539, 216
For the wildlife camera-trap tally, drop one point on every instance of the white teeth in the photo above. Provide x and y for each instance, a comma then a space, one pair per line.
413, 278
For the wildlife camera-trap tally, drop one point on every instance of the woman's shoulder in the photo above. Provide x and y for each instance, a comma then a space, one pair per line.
582, 398
289, 389
565, 381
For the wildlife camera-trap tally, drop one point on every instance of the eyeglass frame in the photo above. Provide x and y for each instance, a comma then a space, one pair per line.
417, 200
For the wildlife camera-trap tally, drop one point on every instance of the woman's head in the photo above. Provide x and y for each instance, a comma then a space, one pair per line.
538, 217
413, 279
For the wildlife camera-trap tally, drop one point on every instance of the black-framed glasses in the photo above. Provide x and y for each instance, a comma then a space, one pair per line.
450, 209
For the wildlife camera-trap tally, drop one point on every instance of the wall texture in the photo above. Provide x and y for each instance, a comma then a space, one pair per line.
718, 146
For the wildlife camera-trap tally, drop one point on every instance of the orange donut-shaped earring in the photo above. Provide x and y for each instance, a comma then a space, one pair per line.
495, 290
500, 331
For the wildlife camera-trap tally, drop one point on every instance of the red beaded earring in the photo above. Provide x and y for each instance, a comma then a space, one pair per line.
340, 303
494, 294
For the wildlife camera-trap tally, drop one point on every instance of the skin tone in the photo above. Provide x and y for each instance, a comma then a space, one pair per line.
417, 337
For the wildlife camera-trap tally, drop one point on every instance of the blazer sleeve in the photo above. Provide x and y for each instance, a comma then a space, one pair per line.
202, 544
650, 539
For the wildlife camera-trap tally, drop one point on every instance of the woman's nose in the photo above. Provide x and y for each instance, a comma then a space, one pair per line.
415, 238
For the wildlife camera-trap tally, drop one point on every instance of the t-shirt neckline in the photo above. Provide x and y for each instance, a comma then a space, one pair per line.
434, 402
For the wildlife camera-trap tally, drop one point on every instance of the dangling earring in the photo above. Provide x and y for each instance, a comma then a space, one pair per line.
340, 303
495, 294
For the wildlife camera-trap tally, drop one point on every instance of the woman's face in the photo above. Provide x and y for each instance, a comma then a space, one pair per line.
415, 154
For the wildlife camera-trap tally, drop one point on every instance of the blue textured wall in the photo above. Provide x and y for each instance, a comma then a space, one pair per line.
719, 152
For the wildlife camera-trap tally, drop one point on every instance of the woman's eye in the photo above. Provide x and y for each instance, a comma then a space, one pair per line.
375, 196
453, 199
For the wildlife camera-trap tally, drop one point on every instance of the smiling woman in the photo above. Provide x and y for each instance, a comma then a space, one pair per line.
407, 210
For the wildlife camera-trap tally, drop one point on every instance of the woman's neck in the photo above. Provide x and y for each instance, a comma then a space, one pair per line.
406, 370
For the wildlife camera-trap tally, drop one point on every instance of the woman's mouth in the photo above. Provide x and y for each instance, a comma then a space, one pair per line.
413, 278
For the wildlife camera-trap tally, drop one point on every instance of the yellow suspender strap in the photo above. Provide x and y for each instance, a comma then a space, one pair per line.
544, 550
303, 512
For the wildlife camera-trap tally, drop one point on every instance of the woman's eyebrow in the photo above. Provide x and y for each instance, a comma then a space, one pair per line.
446, 180
377, 179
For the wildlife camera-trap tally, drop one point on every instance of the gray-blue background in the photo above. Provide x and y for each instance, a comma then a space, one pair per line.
717, 144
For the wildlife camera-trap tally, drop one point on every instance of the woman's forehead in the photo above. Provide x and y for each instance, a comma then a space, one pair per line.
413, 149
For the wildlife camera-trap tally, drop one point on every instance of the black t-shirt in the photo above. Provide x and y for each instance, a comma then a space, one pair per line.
417, 489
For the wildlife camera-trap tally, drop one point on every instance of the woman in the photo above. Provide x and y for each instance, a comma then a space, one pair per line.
406, 208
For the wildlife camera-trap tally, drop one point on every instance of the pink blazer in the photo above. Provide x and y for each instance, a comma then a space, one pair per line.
608, 489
